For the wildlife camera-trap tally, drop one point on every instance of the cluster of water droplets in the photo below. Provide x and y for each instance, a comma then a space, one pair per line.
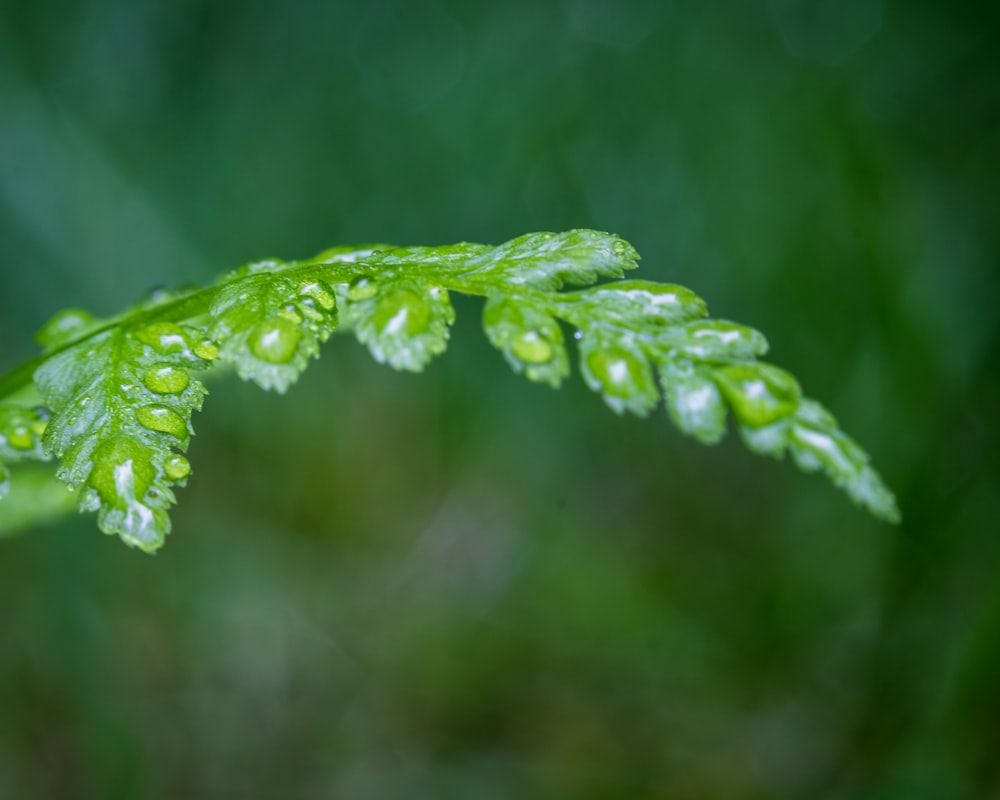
629, 330
269, 326
157, 380
123, 399
21, 430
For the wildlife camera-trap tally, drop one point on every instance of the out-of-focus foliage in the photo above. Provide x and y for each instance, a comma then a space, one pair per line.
604, 618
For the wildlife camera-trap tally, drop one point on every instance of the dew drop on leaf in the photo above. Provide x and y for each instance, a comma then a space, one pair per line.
694, 402
320, 293
176, 467
206, 350
402, 312
64, 327
165, 379
162, 419
759, 394
275, 340
164, 337
361, 289
531, 348
20, 438
156, 296
622, 375
291, 313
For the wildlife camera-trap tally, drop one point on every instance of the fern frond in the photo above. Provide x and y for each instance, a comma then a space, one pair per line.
119, 394
121, 408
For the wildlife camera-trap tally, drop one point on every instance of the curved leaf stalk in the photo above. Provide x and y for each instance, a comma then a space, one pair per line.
116, 396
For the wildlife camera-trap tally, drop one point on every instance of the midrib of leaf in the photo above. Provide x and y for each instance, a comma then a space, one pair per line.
193, 306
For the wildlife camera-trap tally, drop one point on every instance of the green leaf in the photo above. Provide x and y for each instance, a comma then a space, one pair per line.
549, 261
694, 402
389, 261
121, 394
529, 337
640, 306
402, 322
759, 394
121, 406
617, 368
717, 340
816, 444
270, 319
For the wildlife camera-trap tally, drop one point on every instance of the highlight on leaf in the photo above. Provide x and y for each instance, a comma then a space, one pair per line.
113, 398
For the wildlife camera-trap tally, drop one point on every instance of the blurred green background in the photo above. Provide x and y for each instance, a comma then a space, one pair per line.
459, 584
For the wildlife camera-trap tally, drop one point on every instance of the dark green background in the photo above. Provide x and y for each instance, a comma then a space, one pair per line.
459, 584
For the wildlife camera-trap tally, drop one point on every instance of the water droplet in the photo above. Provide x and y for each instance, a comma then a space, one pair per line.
164, 337
165, 379
162, 419
20, 438
156, 296
612, 368
176, 467
759, 394
321, 294
275, 340
206, 349
291, 313
307, 308
532, 348
64, 327
621, 374
361, 289
694, 401
402, 312
265, 265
